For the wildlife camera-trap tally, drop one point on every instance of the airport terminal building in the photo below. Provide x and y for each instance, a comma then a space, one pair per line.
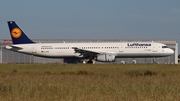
7, 56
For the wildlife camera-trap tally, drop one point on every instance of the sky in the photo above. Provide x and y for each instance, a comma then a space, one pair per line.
93, 19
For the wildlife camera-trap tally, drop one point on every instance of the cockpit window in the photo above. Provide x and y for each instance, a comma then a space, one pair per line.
164, 46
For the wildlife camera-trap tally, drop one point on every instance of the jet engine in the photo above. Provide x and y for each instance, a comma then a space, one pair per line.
106, 58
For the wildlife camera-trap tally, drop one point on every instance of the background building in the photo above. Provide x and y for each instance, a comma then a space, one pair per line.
7, 56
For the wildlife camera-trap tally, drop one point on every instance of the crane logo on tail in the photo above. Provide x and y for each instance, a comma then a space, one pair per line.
16, 32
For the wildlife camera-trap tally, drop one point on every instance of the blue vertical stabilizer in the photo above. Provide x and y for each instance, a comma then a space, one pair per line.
17, 35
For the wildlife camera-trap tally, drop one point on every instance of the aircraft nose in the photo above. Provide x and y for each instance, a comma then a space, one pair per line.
170, 51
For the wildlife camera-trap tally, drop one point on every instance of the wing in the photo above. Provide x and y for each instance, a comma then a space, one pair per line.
85, 53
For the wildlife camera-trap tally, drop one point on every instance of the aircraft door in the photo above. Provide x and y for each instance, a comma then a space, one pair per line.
121, 48
154, 47
34, 49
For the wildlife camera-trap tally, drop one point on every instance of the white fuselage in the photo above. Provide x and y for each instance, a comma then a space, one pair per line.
63, 50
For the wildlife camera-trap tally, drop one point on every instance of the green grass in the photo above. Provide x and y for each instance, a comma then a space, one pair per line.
99, 82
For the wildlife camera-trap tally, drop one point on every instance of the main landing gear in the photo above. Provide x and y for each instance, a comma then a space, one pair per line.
88, 62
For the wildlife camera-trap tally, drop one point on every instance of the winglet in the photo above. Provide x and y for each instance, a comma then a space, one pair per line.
17, 35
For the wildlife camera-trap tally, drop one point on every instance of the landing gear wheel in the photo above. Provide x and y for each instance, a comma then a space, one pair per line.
90, 62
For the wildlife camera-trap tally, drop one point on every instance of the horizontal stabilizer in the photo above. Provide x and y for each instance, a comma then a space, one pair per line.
13, 48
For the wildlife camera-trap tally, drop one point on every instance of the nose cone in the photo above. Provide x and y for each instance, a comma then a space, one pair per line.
170, 51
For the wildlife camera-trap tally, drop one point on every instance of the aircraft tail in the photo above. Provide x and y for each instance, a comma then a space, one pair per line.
17, 35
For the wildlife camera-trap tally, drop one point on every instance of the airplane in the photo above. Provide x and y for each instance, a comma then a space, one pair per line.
102, 51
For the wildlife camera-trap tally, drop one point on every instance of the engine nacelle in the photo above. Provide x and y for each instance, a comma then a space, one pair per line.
106, 58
